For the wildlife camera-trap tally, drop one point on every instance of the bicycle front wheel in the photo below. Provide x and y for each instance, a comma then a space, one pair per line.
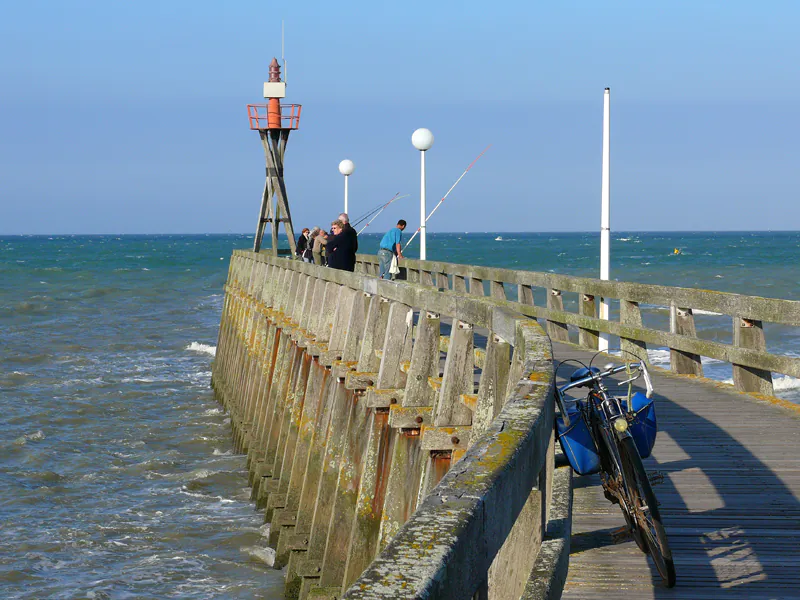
644, 510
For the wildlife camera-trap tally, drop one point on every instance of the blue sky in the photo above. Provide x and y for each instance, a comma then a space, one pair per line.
129, 117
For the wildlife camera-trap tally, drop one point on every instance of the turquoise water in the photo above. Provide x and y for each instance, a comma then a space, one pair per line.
118, 478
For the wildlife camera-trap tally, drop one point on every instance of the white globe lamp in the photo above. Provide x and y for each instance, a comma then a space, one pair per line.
346, 168
423, 140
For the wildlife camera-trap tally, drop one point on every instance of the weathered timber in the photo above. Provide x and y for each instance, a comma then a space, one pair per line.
752, 361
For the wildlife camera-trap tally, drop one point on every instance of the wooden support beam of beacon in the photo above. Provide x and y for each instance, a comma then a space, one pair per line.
274, 121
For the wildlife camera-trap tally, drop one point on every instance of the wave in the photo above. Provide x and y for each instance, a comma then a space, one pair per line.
265, 555
695, 311
205, 348
781, 383
33, 437
658, 357
785, 382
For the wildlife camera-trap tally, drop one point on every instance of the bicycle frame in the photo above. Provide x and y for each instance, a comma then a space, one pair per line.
616, 457
607, 421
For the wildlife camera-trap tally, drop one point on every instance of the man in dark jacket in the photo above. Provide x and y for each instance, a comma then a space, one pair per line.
343, 245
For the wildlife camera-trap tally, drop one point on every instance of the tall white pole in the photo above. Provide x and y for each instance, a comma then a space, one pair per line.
605, 215
422, 139
422, 209
346, 168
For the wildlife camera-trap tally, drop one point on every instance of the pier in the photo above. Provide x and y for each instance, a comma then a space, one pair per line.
399, 435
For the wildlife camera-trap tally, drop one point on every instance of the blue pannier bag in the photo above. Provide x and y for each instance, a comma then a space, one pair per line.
642, 424
577, 443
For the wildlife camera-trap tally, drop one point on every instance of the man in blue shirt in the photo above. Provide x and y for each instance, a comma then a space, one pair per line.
390, 246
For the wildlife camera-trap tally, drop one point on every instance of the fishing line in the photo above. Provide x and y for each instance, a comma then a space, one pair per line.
452, 187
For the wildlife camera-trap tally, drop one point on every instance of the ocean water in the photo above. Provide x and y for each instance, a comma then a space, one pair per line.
118, 477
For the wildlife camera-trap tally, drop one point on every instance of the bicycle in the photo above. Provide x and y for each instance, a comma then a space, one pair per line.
609, 434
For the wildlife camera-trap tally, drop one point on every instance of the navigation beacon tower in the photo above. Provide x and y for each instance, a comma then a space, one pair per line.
274, 121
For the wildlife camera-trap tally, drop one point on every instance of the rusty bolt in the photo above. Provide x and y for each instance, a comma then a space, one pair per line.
455, 440
418, 419
393, 401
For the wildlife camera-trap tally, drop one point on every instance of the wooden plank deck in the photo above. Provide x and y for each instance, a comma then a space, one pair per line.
730, 501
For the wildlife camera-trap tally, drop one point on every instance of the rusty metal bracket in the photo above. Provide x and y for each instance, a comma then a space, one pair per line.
409, 417
446, 438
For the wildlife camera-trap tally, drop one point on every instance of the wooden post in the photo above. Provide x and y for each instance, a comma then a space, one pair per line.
424, 362
496, 290
629, 314
492, 385
557, 331
476, 287
459, 284
588, 338
459, 366
749, 333
374, 332
681, 322
525, 294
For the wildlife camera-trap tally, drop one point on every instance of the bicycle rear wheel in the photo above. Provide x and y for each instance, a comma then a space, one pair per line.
644, 509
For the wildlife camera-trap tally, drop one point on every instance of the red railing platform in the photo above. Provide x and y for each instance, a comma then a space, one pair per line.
290, 116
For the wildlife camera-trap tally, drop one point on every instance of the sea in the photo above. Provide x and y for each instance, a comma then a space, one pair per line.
117, 473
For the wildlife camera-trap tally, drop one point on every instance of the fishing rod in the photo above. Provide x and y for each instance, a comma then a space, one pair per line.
452, 187
397, 196
371, 212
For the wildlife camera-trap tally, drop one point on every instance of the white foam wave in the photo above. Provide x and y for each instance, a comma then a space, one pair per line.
658, 357
785, 382
711, 361
212, 411
265, 555
32, 437
781, 383
205, 348
200, 473
218, 452
662, 357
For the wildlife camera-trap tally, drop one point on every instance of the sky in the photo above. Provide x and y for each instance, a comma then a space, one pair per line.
130, 117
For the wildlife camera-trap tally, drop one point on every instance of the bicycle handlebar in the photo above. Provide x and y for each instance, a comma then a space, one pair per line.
613, 370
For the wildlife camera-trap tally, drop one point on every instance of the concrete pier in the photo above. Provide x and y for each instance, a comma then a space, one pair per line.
399, 438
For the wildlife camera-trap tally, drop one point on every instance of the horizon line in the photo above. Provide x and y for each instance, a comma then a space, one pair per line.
429, 233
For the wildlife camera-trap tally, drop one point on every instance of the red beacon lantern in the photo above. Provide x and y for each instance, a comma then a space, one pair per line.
273, 114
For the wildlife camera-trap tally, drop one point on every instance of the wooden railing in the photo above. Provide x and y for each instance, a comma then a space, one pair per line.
752, 363
399, 438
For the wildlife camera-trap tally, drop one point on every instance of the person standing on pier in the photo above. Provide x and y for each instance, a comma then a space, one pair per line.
303, 246
390, 248
343, 245
320, 239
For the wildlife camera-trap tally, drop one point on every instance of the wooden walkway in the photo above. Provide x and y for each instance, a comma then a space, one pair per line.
730, 500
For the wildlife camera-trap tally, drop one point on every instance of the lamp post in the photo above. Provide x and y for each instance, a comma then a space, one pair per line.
605, 211
346, 168
422, 140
